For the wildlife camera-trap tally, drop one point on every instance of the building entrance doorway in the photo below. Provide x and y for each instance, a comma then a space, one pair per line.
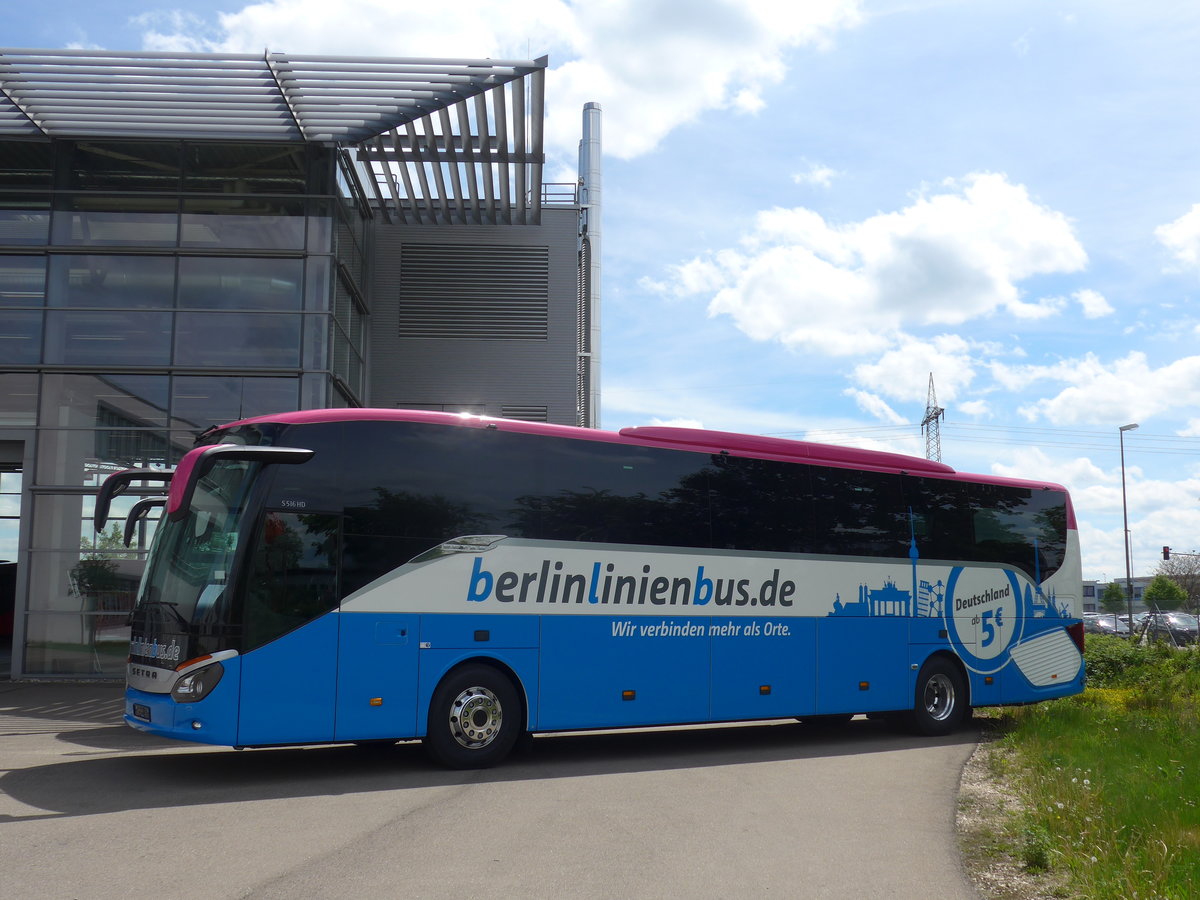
10, 542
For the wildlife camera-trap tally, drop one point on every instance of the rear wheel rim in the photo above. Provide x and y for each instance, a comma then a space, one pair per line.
939, 697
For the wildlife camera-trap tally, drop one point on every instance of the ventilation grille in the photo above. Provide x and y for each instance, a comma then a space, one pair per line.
478, 293
526, 413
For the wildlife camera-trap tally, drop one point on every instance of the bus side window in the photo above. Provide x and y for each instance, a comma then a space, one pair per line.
293, 574
941, 518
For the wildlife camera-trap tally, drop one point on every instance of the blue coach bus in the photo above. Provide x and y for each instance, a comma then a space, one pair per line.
364, 575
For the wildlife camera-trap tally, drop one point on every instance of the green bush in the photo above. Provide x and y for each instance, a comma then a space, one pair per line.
1035, 847
1114, 662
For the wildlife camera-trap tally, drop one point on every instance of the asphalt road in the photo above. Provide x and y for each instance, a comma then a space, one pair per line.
90, 809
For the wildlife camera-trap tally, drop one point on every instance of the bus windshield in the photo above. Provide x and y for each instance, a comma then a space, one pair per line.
183, 589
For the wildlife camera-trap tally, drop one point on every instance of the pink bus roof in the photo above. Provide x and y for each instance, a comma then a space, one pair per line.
695, 439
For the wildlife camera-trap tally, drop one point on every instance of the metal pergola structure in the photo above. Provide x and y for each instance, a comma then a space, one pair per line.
439, 141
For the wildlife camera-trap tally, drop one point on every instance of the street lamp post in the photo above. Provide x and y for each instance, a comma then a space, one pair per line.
1125, 517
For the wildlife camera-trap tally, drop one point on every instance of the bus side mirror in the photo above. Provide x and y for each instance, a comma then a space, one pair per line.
199, 462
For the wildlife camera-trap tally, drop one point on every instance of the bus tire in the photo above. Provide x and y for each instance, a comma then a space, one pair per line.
940, 703
474, 718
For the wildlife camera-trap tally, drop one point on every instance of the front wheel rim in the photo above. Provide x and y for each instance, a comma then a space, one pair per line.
476, 717
939, 697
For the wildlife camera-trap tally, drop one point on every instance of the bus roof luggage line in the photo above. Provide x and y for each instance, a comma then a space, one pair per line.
116, 484
138, 512
198, 462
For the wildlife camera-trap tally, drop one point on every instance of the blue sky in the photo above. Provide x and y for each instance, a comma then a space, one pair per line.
809, 207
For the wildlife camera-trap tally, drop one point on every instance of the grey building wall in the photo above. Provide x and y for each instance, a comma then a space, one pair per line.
489, 348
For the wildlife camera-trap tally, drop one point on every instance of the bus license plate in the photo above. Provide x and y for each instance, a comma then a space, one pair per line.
141, 711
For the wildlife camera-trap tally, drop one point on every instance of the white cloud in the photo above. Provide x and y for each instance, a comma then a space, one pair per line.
876, 406
1093, 303
175, 31
1079, 475
652, 64
951, 256
902, 373
1182, 237
977, 409
816, 174
1127, 390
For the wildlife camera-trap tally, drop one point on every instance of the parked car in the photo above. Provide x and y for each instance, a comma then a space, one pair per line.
1173, 627
1105, 623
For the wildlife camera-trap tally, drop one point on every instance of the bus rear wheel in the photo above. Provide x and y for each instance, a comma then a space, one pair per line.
941, 699
474, 718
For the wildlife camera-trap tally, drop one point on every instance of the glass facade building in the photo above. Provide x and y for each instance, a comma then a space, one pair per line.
150, 290
191, 239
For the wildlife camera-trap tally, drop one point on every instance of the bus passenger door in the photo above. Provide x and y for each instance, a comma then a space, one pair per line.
290, 630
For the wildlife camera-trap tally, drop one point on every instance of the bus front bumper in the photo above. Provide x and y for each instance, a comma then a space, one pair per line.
212, 720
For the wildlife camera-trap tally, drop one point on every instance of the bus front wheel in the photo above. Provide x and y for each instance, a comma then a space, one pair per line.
474, 718
941, 698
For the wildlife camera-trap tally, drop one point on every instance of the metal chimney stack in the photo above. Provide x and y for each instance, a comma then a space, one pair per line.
589, 268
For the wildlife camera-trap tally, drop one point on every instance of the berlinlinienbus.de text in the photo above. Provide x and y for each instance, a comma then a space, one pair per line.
553, 584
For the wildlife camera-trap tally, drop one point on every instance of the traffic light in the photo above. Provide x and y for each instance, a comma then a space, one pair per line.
1166, 552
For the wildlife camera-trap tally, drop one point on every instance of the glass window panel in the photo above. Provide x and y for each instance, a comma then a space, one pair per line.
314, 391
356, 375
252, 223
22, 280
263, 396
146, 282
341, 355
18, 398
21, 337
26, 164
204, 401
238, 283
320, 228
316, 342
57, 520
81, 644
237, 340
321, 163
243, 168
93, 401
125, 166
85, 458
111, 540
108, 338
348, 252
135, 221
24, 220
10, 483
316, 288
10, 539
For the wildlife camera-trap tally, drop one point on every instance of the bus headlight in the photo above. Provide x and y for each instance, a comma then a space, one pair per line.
197, 685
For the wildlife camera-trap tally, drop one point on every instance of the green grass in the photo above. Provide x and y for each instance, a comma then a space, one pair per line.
1109, 780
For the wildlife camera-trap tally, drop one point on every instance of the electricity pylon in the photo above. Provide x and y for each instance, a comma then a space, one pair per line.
930, 425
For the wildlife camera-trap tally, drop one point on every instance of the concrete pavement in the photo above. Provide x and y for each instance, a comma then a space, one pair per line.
92, 809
